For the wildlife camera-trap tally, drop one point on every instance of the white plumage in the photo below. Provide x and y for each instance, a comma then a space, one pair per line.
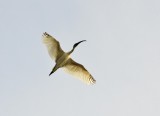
63, 60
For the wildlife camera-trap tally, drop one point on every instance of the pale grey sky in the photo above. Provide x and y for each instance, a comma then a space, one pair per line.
122, 52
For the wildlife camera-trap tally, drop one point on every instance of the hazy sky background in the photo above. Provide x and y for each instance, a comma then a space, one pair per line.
122, 52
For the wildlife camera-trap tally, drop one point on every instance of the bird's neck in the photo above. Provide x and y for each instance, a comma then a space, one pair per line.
71, 51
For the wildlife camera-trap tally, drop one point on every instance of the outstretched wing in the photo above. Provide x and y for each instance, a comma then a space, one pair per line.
79, 71
53, 46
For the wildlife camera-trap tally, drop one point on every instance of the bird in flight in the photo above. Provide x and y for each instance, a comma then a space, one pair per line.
63, 60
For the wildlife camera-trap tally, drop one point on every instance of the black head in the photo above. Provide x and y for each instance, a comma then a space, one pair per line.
76, 44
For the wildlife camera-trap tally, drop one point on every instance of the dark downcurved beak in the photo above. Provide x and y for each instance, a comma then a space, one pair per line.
76, 44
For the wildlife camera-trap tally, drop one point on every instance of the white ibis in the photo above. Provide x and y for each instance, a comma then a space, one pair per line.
64, 61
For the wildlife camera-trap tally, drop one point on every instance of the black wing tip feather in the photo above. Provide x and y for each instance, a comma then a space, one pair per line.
46, 34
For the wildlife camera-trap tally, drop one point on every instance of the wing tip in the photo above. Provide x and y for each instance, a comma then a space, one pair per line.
92, 80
